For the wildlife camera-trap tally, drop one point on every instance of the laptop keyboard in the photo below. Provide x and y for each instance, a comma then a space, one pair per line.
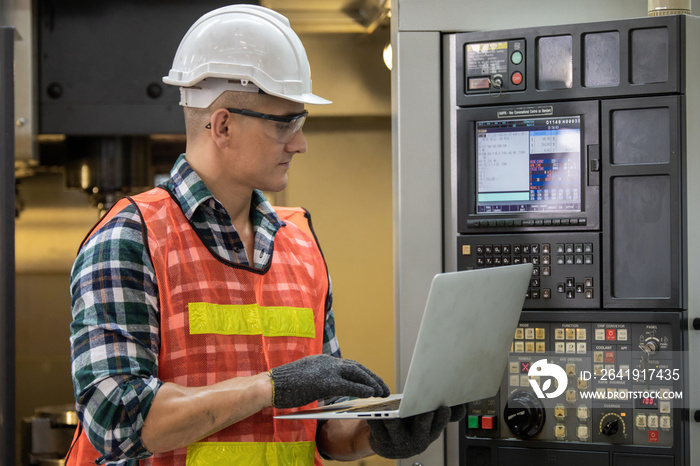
380, 406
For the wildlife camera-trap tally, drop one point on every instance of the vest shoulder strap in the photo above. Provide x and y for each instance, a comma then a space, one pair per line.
155, 194
298, 216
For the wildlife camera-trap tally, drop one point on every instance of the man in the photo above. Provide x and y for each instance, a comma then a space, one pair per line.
199, 311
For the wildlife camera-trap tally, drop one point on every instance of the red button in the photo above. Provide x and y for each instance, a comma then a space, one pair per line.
653, 436
517, 78
611, 334
609, 356
488, 422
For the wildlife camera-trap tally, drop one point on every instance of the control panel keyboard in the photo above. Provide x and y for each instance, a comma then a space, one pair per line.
566, 266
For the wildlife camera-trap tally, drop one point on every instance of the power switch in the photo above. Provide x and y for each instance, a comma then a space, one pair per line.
516, 57
473, 421
517, 78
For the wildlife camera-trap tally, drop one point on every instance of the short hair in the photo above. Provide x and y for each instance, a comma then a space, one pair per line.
196, 119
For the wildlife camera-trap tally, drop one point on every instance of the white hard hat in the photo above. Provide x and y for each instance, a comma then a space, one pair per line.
241, 48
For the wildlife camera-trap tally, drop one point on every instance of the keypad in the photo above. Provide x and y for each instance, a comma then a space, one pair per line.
543, 256
540, 222
538, 254
574, 253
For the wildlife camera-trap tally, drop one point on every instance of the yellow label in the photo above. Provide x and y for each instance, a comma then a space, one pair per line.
251, 453
481, 48
251, 319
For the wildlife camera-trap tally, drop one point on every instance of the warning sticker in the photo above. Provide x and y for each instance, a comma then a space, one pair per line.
487, 59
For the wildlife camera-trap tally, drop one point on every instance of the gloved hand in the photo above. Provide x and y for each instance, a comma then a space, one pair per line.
403, 438
458, 412
321, 376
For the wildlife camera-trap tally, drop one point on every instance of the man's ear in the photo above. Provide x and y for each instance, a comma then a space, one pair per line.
219, 127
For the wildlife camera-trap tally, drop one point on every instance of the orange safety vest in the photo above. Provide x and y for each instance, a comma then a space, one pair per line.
220, 320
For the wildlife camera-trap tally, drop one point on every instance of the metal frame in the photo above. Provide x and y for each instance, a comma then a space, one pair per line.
7, 246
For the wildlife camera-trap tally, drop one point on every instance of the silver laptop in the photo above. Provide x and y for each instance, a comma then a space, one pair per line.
462, 348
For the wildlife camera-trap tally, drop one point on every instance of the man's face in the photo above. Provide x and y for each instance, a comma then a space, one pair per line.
259, 156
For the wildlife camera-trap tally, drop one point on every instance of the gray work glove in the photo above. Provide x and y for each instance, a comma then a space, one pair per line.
403, 438
321, 376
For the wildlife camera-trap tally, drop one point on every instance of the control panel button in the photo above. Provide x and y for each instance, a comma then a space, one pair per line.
560, 412
640, 421
653, 421
582, 413
560, 431
488, 422
582, 432
517, 78
516, 57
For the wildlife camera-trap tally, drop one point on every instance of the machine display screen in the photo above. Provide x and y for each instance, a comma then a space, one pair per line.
528, 165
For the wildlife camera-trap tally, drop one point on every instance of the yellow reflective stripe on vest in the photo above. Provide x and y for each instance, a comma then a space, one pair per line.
251, 319
251, 453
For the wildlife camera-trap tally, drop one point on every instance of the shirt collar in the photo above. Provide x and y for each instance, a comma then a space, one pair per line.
191, 192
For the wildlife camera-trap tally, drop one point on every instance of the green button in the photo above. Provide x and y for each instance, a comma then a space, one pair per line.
472, 421
516, 58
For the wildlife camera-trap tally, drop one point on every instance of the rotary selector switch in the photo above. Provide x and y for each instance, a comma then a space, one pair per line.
524, 414
612, 425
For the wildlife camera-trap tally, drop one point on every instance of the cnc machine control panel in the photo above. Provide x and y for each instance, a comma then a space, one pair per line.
589, 381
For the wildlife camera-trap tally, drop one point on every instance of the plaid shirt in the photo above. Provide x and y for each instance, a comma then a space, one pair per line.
115, 330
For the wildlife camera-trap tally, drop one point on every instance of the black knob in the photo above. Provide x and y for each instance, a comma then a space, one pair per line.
696, 323
610, 428
524, 414
54, 90
696, 416
154, 90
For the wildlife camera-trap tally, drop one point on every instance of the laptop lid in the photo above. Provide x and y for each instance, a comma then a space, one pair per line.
466, 332
462, 347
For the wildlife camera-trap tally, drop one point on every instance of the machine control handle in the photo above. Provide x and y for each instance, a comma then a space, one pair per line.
610, 428
696, 323
524, 414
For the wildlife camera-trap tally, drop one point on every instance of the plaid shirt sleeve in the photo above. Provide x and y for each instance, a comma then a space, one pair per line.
330, 342
115, 337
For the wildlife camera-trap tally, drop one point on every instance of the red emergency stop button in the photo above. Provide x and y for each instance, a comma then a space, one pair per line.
516, 78
488, 422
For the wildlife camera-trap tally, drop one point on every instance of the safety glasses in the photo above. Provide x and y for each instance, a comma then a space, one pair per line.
284, 128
